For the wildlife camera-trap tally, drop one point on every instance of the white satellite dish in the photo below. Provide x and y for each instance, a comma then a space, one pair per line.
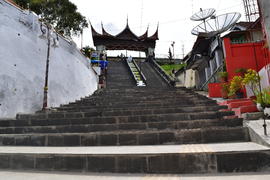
216, 25
202, 14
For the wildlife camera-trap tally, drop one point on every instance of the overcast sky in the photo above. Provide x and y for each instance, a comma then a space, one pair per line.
173, 17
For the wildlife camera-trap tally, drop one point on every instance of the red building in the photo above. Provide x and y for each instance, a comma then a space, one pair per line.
243, 49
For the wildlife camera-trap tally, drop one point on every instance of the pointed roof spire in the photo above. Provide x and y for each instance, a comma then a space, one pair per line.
127, 33
127, 26
94, 32
155, 35
127, 19
145, 35
104, 32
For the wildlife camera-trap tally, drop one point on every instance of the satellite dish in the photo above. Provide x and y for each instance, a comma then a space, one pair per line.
202, 14
217, 25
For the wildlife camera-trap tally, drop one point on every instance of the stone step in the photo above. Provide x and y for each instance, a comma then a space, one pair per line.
140, 102
125, 112
84, 128
97, 120
175, 159
147, 90
144, 90
142, 118
147, 94
169, 106
144, 95
125, 105
133, 100
139, 99
155, 89
118, 112
138, 137
122, 85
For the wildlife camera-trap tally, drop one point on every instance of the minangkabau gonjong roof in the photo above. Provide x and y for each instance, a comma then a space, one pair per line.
125, 40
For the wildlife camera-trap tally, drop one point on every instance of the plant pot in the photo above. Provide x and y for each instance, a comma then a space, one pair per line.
224, 94
239, 94
259, 107
267, 111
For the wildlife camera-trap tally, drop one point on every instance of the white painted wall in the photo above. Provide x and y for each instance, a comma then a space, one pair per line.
22, 66
190, 78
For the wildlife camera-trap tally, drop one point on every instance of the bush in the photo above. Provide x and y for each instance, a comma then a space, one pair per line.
235, 85
251, 79
263, 98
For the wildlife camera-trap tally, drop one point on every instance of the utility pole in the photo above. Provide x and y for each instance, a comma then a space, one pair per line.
183, 50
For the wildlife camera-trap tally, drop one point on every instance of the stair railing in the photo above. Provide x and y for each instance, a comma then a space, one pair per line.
140, 71
139, 82
168, 79
212, 78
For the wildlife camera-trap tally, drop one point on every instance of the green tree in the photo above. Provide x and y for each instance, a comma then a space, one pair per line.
87, 51
62, 14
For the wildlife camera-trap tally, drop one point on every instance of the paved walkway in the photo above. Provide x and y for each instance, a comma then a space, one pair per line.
160, 149
13, 175
257, 127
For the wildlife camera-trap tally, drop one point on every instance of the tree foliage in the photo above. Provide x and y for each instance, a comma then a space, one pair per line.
62, 14
87, 51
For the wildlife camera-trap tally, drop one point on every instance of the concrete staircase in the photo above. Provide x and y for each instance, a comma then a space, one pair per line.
153, 79
240, 106
128, 129
118, 75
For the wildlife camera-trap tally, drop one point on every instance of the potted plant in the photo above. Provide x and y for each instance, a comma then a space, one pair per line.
236, 86
223, 76
251, 79
225, 90
263, 101
241, 71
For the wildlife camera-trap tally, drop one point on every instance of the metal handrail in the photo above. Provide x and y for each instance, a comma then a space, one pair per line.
140, 71
162, 73
134, 76
213, 76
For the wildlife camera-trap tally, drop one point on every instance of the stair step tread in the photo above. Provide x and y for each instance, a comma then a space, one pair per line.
147, 131
123, 126
85, 121
123, 112
133, 150
192, 116
125, 106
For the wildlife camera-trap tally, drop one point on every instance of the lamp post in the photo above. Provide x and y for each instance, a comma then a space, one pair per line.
173, 50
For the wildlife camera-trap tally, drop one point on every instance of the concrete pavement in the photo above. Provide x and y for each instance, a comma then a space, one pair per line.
257, 127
